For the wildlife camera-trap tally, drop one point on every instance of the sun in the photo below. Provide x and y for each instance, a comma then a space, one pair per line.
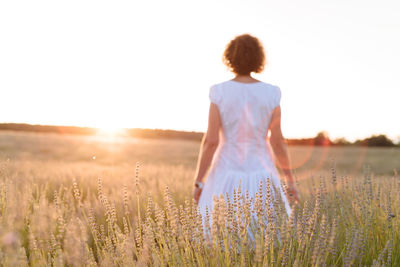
110, 131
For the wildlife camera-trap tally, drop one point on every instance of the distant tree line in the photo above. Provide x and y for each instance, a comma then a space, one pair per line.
321, 139
48, 128
168, 134
137, 133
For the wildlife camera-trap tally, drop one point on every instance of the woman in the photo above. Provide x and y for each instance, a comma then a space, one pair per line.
242, 113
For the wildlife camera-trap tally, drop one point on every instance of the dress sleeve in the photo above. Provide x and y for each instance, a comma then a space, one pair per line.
278, 95
213, 95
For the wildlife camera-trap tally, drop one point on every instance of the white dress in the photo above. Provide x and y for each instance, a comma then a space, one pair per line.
244, 153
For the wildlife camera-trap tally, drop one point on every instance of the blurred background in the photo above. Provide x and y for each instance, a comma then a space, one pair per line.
149, 64
128, 81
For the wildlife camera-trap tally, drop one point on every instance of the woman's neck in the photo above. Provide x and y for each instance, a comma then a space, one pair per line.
244, 78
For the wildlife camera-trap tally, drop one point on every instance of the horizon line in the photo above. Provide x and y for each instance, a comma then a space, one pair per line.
169, 129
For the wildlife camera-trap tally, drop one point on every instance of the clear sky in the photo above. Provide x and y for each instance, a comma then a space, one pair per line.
149, 64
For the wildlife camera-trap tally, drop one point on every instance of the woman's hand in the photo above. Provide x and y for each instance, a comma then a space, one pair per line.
196, 194
292, 193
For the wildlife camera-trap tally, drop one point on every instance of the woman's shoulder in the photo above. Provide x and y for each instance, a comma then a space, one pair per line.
229, 88
232, 83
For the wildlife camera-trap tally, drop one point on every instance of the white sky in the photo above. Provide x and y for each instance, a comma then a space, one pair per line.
149, 64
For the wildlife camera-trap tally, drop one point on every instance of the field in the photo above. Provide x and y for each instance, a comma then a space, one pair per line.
92, 200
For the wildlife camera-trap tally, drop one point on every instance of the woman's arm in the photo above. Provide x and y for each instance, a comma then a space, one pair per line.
209, 143
279, 147
208, 146
278, 144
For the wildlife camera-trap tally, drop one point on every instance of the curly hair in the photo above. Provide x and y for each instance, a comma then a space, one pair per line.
244, 54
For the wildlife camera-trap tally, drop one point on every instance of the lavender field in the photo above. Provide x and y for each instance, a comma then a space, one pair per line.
107, 201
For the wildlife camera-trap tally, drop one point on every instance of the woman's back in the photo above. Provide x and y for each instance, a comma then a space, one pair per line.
245, 110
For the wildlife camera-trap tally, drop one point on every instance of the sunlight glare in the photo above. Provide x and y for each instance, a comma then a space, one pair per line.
111, 131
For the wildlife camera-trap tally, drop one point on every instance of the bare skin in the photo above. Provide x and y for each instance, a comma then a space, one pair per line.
208, 146
279, 147
211, 140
